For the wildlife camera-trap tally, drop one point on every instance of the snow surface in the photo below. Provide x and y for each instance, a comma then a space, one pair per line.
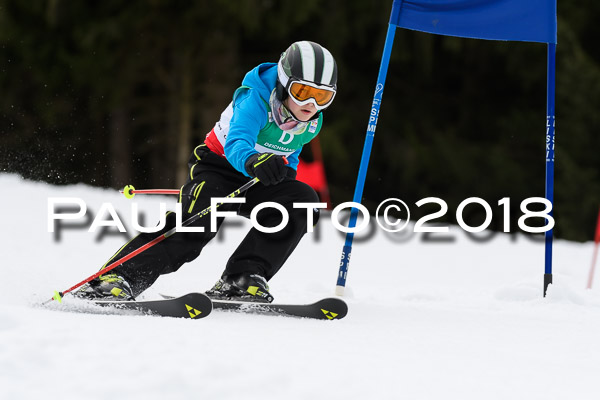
444, 320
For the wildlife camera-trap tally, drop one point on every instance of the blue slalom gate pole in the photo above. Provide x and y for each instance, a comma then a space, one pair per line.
364, 162
550, 124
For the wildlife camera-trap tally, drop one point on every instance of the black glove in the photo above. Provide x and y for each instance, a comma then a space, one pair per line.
269, 168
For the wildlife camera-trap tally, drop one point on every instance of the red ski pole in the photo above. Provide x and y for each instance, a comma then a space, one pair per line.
596, 243
59, 295
129, 191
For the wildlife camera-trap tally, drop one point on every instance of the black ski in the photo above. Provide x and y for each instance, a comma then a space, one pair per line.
191, 305
328, 308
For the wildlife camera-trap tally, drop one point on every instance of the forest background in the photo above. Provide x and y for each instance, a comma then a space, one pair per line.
110, 93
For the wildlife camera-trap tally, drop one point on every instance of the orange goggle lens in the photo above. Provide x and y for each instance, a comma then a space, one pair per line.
303, 92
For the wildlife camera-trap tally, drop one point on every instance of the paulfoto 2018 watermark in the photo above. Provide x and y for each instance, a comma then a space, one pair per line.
77, 209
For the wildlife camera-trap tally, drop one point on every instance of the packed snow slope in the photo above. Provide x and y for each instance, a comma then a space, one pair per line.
453, 319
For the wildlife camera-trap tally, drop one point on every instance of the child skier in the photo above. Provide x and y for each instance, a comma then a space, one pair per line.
276, 111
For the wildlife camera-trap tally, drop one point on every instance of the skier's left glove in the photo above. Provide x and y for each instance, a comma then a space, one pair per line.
269, 168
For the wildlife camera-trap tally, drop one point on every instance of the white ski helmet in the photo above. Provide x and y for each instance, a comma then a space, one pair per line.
307, 72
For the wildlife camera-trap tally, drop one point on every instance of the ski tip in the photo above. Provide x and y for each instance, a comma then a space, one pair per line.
332, 308
129, 191
199, 306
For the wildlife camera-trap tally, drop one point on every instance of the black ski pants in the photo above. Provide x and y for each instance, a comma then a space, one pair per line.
260, 253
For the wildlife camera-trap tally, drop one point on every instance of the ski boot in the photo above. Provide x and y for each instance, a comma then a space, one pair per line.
106, 287
243, 287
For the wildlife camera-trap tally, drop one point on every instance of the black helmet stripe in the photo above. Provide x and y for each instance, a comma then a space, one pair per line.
318, 65
296, 54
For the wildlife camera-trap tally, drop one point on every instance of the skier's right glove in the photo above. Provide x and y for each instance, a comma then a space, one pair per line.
269, 168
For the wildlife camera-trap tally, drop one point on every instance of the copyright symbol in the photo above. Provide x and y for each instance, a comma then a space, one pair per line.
396, 205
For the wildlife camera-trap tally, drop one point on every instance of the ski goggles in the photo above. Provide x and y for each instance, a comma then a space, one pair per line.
307, 92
